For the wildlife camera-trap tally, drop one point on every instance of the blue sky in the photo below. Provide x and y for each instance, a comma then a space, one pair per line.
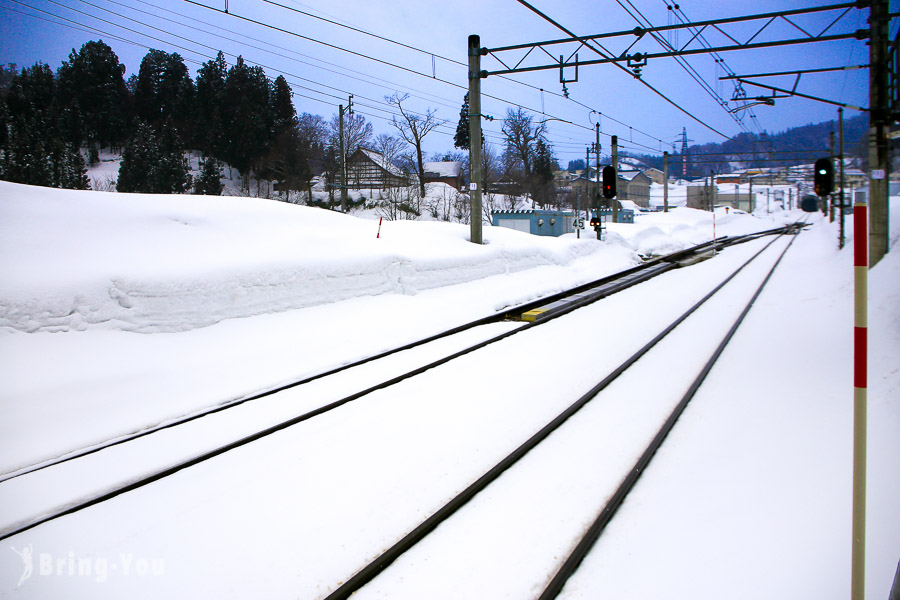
323, 76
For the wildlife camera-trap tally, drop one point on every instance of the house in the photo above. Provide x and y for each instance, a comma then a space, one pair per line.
449, 172
369, 169
655, 175
635, 186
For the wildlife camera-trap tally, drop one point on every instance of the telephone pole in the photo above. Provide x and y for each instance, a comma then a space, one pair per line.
341, 149
475, 171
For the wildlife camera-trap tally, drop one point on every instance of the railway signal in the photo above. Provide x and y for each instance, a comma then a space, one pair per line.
609, 182
824, 177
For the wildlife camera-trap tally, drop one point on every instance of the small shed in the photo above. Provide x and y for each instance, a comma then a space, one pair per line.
536, 222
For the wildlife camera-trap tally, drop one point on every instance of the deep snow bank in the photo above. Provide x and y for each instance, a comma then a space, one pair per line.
160, 263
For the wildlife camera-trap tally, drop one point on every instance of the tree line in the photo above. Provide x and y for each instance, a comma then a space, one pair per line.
233, 115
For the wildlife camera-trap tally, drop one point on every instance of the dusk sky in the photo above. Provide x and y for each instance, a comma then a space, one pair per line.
429, 66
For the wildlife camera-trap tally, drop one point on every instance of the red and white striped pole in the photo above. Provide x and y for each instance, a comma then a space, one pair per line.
860, 335
378, 235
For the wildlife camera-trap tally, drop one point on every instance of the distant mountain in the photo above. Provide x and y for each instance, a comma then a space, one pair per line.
800, 145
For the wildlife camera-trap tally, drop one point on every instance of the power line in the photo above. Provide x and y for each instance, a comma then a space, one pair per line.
433, 54
680, 60
590, 44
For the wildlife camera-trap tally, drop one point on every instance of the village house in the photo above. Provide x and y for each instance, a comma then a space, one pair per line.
368, 169
449, 172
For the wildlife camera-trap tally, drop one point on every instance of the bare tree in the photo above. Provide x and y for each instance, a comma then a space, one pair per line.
413, 128
357, 132
521, 140
390, 147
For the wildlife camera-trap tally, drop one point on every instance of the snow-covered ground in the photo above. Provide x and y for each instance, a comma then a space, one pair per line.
119, 311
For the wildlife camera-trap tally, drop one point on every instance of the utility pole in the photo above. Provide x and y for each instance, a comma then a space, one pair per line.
841, 159
597, 151
587, 182
879, 161
665, 181
831, 198
750, 202
341, 111
475, 171
343, 177
587, 176
615, 165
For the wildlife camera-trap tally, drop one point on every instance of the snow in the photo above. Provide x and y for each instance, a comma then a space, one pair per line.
121, 311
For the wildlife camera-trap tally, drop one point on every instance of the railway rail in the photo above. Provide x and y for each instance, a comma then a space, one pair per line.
552, 309
523, 318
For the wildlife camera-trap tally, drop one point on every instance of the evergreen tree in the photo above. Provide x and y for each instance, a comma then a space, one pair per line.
154, 163
461, 139
246, 117
542, 175
209, 133
139, 157
94, 79
209, 182
35, 150
25, 157
67, 167
284, 115
164, 90
172, 173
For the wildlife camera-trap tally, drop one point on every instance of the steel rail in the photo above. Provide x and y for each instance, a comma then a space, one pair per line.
570, 565
203, 457
372, 569
116, 441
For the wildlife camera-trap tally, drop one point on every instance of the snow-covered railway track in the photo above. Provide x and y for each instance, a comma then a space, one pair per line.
483, 542
176, 444
328, 436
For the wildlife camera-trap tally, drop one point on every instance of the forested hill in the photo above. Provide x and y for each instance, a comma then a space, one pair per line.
791, 147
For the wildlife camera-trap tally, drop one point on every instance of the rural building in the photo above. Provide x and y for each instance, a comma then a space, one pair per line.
449, 172
369, 169
635, 186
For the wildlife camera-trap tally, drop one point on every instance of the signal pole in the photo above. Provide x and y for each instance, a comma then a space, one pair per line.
475, 174
615, 165
597, 153
665, 181
830, 198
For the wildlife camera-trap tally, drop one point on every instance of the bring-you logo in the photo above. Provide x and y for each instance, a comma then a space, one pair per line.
97, 568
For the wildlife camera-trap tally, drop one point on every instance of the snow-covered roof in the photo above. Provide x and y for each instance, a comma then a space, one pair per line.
449, 168
378, 159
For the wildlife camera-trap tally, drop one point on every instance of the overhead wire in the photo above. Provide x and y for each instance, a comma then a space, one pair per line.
449, 60
553, 140
643, 21
602, 51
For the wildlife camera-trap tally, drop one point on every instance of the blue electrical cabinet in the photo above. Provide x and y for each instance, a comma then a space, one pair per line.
536, 222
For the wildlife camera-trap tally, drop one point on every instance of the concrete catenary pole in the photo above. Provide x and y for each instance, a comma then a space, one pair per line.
614, 143
475, 170
841, 172
879, 162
